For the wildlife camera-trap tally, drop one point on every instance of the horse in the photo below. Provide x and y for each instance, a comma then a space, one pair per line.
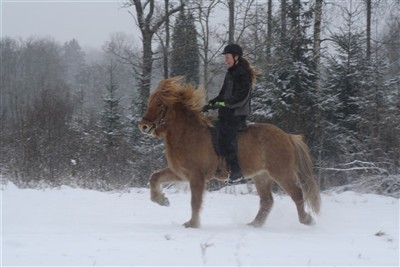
266, 153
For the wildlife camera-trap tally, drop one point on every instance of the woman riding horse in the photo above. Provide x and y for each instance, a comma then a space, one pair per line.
265, 153
233, 102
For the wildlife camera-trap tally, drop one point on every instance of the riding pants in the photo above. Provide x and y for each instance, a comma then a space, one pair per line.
227, 129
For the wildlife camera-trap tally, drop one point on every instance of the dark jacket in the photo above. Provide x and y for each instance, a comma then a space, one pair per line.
235, 92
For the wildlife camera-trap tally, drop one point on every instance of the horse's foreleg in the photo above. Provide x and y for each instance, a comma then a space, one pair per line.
196, 188
263, 186
156, 180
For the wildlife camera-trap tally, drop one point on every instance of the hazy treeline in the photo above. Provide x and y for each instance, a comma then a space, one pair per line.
69, 116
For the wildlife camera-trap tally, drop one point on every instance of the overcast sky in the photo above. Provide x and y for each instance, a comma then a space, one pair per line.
90, 22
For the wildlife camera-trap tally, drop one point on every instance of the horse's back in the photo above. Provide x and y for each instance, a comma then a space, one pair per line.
261, 134
264, 146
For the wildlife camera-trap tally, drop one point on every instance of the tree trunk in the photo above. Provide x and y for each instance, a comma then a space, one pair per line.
167, 38
295, 14
231, 4
147, 63
269, 30
317, 64
283, 20
368, 2
317, 41
295, 30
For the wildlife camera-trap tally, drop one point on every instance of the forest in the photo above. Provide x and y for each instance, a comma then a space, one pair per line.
329, 70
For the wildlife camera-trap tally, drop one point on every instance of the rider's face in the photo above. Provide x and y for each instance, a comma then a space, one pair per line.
229, 60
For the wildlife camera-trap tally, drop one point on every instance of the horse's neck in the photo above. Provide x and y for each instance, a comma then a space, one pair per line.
182, 129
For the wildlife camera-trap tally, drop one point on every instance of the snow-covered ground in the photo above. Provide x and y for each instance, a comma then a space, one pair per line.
81, 227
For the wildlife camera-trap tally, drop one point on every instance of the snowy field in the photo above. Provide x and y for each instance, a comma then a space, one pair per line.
81, 227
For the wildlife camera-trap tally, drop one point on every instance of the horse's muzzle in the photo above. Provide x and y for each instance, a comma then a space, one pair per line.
146, 127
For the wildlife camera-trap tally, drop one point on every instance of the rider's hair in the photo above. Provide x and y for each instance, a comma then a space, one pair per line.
250, 69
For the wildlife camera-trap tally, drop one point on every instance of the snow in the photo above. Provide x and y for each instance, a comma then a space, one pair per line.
69, 226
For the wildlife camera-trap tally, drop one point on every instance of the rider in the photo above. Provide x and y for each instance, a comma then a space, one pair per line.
233, 103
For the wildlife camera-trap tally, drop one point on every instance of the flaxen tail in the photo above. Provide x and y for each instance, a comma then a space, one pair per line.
304, 174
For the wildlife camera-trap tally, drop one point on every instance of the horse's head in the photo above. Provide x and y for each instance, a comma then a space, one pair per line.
154, 117
165, 101
160, 100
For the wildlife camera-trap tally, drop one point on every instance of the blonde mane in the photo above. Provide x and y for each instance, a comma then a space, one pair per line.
174, 90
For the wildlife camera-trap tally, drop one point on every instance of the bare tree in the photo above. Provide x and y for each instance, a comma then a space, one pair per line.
149, 20
246, 17
122, 48
203, 13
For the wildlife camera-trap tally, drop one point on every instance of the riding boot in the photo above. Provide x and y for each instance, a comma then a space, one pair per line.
235, 174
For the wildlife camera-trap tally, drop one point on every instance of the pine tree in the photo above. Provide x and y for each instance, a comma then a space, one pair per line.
346, 78
288, 87
378, 110
345, 85
111, 116
185, 50
73, 60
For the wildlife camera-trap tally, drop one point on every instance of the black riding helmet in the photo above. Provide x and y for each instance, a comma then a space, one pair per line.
233, 49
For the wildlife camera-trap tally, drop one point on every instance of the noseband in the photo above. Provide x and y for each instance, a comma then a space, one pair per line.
159, 120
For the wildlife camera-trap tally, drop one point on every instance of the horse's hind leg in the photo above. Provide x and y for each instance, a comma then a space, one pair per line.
296, 194
158, 178
263, 186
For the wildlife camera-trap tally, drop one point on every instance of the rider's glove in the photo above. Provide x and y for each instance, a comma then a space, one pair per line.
220, 104
213, 105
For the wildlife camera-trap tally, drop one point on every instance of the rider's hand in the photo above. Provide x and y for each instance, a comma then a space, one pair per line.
220, 104
213, 105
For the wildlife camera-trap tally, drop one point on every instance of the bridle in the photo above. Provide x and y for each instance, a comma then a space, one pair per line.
159, 120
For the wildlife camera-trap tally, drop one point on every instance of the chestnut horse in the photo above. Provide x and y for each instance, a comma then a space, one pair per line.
265, 153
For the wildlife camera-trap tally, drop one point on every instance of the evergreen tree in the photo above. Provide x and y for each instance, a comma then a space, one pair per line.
111, 115
73, 60
288, 87
378, 110
391, 54
346, 77
346, 84
185, 51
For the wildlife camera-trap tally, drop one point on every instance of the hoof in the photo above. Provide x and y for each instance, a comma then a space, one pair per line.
255, 224
165, 202
161, 200
309, 220
191, 224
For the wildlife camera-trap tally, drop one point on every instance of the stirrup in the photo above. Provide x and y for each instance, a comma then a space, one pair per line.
238, 180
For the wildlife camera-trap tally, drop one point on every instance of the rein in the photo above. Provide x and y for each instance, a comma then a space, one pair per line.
160, 117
